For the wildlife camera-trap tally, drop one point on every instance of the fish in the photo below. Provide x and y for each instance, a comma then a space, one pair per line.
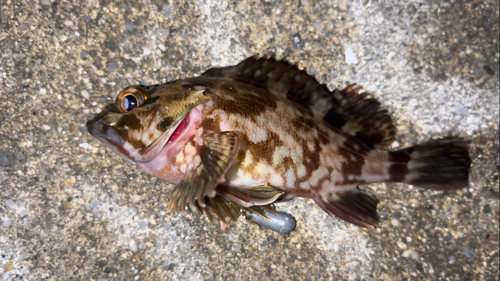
238, 139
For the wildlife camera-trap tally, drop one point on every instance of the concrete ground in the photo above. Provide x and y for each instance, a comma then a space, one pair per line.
70, 209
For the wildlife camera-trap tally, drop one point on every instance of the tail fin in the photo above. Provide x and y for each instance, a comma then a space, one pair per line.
437, 164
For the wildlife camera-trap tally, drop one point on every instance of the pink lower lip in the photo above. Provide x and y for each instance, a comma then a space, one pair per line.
179, 130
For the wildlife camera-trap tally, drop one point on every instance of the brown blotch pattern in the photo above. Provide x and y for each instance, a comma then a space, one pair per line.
286, 163
249, 102
303, 124
265, 149
311, 158
210, 125
305, 92
164, 124
130, 120
354, 161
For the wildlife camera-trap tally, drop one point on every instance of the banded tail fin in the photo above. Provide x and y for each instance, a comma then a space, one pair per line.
437, 164
355, 206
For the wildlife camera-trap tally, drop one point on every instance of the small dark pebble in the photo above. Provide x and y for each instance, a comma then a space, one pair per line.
411, 266
486, 208
297, 41
397, 215
383, 214
144, 201
429, 207
110, 270
419, 267
488, 70
110, 45
69, 199
171, 266
102, 263
5, 158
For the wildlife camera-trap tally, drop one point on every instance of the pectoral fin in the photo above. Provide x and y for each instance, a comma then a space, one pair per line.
216, 156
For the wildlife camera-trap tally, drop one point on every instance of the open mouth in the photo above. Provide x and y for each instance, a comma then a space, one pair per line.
111, 138
167, 140
178, 132
102, 132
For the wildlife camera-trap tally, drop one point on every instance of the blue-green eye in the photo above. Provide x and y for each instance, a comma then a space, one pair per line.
129, 99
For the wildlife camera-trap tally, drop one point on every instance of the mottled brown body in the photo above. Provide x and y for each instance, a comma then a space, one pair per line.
282, 146
239, 138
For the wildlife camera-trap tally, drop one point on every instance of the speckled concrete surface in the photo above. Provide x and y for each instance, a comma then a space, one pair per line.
71, 209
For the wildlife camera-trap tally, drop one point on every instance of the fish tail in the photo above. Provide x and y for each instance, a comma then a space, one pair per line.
437, 164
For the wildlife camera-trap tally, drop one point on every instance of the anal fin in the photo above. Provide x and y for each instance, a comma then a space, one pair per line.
355, 206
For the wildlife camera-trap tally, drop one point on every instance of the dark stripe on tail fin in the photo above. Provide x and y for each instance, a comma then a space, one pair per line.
437, 164
355, 206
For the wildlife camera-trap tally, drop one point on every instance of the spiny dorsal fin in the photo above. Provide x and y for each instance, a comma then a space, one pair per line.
356, 113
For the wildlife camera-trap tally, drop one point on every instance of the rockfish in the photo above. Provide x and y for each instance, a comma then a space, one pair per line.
238, 139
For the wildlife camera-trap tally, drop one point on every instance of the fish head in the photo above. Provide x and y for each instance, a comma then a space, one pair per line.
145, 120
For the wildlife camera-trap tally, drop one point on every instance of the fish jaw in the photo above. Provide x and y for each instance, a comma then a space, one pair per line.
110, 138
165, 164
104, 128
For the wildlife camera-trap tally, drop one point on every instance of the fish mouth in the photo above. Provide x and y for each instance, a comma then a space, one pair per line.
103, 132
112, 139
168, 139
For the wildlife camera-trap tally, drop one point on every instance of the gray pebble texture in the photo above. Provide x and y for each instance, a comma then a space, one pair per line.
70, 209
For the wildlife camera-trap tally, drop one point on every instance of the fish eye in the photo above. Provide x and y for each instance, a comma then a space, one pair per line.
129, 99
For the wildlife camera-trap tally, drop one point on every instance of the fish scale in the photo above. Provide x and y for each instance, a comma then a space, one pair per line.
238, 139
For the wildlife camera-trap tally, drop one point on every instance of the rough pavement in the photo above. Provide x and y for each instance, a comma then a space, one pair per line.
71, 209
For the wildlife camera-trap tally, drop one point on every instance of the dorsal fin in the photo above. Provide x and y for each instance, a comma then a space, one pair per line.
355, 113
